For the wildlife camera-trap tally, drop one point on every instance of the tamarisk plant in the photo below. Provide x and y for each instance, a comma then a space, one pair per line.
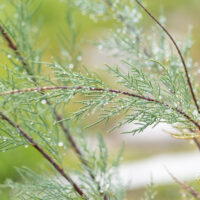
155, 85
43, 130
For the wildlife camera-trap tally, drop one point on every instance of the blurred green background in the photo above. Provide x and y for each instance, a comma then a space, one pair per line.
179, 13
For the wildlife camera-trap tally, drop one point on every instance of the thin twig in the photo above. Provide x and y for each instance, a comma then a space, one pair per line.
58, 116
45, 155
71, 140
16, 51
185, 186
42, 89
196, 141
179, 52
182, 60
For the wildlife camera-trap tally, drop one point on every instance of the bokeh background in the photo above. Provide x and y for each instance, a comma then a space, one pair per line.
154, 143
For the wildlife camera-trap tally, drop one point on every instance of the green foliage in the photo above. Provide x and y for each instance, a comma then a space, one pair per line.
150, 193
152, 88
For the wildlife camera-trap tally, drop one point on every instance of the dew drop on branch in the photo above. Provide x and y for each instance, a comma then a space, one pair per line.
100, 47
195, 112
60, 144
43, 101
71, 66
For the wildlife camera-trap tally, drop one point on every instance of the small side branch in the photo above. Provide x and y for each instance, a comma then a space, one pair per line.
42, 89
15, 49
179, 52
185, 186
45, 155
71, 140
196, 141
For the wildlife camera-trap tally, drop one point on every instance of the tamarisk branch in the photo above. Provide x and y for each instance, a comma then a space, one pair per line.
42, 89
57, 116
179, 52
45, 155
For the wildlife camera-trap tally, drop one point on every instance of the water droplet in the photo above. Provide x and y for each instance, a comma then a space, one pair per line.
43, 101
9, 56
195, 112
64, 53
26, 145
71, 66
107, 186
60, 144
100, 47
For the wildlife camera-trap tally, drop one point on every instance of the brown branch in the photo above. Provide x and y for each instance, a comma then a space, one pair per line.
42, 89
71, 140
15, 50
196, 141
8, 39
45, 155
185, 186
179, 52
58, 117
